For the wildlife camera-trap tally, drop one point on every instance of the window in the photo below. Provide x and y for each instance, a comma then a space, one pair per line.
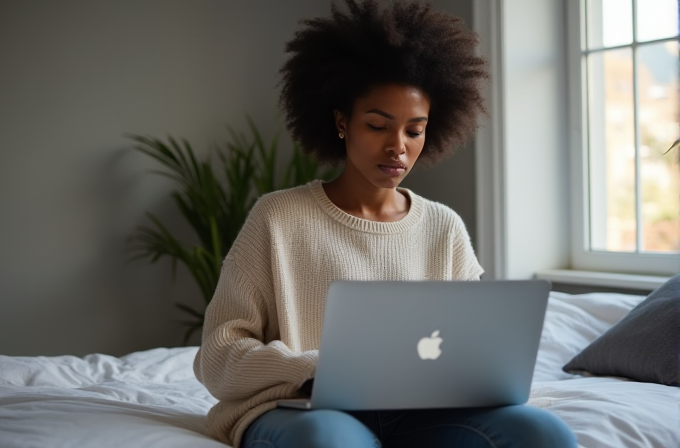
625, 61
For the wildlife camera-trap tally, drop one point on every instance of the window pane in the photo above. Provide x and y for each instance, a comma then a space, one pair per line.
658, 72
610, 23
612, 151
657, 19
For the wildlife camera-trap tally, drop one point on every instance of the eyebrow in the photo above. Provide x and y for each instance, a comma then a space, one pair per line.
391, 117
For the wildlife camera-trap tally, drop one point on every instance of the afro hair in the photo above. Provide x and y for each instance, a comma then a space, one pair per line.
333, 61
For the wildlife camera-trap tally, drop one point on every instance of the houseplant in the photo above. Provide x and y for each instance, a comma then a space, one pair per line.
214, 197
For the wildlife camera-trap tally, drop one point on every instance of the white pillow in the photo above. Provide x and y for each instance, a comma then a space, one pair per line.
574, 321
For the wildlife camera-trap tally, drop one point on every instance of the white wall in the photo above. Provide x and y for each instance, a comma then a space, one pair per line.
536, 160
74, 77
523, 182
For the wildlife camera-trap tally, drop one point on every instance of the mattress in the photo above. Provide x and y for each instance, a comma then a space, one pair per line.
151, 398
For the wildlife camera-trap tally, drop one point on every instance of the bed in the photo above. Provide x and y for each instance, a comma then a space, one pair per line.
151, 398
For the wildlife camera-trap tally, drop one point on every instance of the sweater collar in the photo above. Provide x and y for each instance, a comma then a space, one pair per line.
365, 225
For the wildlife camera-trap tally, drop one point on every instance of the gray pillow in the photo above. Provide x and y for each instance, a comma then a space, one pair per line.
643, 346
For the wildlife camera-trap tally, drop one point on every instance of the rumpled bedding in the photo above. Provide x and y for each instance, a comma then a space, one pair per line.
151, 398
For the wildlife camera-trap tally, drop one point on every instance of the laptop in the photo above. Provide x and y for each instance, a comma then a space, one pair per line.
427, 344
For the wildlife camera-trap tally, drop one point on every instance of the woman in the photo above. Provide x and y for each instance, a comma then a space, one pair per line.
362, 88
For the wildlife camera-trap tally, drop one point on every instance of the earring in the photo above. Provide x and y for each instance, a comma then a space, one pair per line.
341, 134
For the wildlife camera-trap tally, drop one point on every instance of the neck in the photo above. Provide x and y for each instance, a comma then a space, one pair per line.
358, 197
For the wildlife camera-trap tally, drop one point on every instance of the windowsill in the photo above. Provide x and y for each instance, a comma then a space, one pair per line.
603, 279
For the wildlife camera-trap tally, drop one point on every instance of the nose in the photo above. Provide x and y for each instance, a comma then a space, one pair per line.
396, 144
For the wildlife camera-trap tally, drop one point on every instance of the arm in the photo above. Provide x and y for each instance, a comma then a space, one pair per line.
235, 362
465, 264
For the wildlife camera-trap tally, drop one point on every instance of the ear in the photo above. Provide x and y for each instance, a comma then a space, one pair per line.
340, 121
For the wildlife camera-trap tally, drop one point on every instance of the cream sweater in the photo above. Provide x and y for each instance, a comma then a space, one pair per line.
263, 326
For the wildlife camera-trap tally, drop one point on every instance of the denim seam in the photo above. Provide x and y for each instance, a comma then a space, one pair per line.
471, 428
252, 442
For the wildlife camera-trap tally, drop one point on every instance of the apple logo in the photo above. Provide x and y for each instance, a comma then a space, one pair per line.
428, 348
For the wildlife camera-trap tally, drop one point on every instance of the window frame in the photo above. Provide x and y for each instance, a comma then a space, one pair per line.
582, 257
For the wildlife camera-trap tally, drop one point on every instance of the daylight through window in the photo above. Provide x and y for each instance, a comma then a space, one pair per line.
631, 65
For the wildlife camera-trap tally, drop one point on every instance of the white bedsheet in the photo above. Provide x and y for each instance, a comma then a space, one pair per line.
145, 399
151, 399
602, 411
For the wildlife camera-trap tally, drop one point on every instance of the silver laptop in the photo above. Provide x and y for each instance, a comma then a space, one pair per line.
429, 344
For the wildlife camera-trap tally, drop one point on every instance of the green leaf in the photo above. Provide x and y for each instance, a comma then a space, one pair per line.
191, 328
214, 198
188, 309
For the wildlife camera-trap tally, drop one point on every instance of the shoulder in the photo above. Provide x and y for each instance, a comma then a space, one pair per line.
283, 202
271, 216
281, 207
280, 211
437, 214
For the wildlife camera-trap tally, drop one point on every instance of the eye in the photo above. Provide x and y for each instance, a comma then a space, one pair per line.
414, 134
376, 128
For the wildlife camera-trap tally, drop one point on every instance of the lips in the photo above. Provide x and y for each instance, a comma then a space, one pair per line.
392, 169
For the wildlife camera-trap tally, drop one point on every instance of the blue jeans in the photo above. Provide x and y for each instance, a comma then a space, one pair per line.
501, 427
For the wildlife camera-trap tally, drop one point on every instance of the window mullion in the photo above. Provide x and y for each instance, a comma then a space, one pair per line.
618, 47
639, 241
586, 163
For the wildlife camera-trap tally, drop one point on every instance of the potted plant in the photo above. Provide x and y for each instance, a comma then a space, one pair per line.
214, 199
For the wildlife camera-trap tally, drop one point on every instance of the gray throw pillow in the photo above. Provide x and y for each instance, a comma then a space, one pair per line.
643, 346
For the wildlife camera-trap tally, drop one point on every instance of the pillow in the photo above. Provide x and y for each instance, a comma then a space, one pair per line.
643, 346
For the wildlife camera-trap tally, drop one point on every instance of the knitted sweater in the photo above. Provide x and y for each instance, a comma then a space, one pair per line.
262, 328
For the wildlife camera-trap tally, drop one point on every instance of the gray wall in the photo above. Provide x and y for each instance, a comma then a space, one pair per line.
536, 154
75, 76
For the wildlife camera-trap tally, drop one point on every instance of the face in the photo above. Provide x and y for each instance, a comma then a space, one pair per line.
385, 134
